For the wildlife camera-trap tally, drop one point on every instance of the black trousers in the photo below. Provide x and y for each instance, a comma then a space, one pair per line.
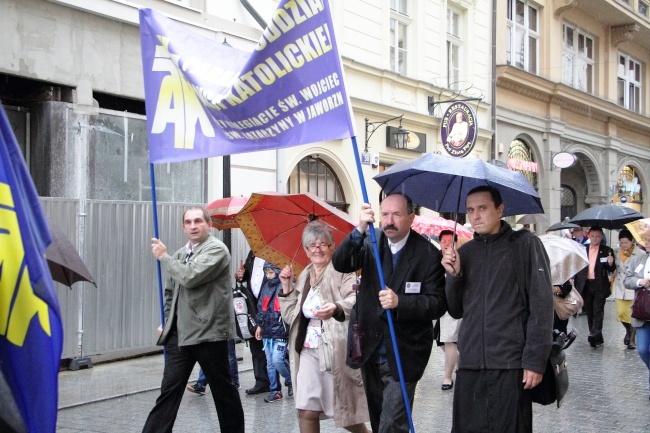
259, 363
385, 400
595, 296
491, 400
179, 362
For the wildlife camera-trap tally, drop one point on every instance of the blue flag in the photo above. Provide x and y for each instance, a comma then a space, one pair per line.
204, 98
31, 334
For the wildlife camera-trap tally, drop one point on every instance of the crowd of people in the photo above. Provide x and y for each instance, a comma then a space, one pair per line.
325, 331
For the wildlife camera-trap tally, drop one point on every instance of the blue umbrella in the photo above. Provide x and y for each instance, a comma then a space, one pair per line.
441, 183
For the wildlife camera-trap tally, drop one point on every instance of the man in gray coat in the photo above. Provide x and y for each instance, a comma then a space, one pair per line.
199, 321
503, 344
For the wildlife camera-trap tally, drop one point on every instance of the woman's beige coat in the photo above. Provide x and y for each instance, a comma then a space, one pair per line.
350, 405
620, 292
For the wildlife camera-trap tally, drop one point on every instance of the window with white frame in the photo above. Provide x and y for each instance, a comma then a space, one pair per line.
399, 22
629, 83
643, 8
523, 35
454, 43
577, 59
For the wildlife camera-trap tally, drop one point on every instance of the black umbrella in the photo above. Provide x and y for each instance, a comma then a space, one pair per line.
64, 261
441, 183
561, 226
607, 216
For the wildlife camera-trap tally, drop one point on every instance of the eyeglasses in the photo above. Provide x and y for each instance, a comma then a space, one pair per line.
314, 247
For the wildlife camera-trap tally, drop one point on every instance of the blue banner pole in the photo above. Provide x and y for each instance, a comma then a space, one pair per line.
157, 236
389, 316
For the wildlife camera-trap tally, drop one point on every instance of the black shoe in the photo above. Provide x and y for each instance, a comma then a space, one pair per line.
592, 341
290, 390
582, 313
196, 389
626, 341
257, 390
447, 386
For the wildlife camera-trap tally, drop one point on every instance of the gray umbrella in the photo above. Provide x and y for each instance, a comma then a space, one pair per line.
561, 226
533, 218
607, 216
64, 261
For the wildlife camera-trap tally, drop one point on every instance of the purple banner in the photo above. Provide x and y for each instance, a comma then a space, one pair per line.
204, 98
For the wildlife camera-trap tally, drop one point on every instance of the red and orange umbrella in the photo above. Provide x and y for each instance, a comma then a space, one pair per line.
222, 211
432, 226
273, 224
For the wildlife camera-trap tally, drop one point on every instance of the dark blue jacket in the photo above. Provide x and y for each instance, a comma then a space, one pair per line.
268, 311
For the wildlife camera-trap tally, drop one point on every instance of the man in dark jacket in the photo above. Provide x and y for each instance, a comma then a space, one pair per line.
593, 283
503, 344
579, 236
415, 283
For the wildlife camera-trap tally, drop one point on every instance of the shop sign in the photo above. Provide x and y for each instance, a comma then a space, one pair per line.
459, 129
518, 164
564, 159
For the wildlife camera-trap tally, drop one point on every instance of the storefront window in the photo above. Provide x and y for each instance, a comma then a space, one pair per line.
568, 204
316, 176
628, 186
521, 159
118, 163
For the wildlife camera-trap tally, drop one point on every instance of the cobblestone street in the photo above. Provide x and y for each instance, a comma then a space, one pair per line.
608, 392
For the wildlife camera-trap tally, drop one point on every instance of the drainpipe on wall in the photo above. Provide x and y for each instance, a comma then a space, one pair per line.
227, 190
251, 10
493, 150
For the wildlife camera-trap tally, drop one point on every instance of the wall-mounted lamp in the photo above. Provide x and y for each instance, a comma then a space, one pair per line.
401, 135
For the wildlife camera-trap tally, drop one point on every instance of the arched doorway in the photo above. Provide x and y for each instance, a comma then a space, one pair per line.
314, 175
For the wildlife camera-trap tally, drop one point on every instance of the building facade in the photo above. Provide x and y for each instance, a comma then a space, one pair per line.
572, 76
71, 80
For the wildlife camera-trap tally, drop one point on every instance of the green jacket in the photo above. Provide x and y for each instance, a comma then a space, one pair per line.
200, 293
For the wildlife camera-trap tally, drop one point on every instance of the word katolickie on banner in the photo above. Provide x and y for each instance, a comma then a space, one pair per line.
205, 98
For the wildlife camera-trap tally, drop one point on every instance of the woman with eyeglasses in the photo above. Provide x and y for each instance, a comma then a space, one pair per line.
317, 306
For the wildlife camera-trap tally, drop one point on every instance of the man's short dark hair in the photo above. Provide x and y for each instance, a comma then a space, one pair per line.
206, 215
494, 193
596, 228
409, 203
625, 234
447, 233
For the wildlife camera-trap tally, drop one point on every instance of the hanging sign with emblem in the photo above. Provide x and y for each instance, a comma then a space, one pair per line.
459, 129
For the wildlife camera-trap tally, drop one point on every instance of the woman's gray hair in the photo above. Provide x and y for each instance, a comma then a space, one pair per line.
317, 230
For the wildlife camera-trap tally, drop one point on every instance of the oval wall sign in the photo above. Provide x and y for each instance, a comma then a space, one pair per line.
564, 159
459, 129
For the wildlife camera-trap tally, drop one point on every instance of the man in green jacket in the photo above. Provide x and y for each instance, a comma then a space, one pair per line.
199, 321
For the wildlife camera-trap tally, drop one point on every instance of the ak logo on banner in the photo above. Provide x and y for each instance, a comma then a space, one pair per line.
31, 332
204, 98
